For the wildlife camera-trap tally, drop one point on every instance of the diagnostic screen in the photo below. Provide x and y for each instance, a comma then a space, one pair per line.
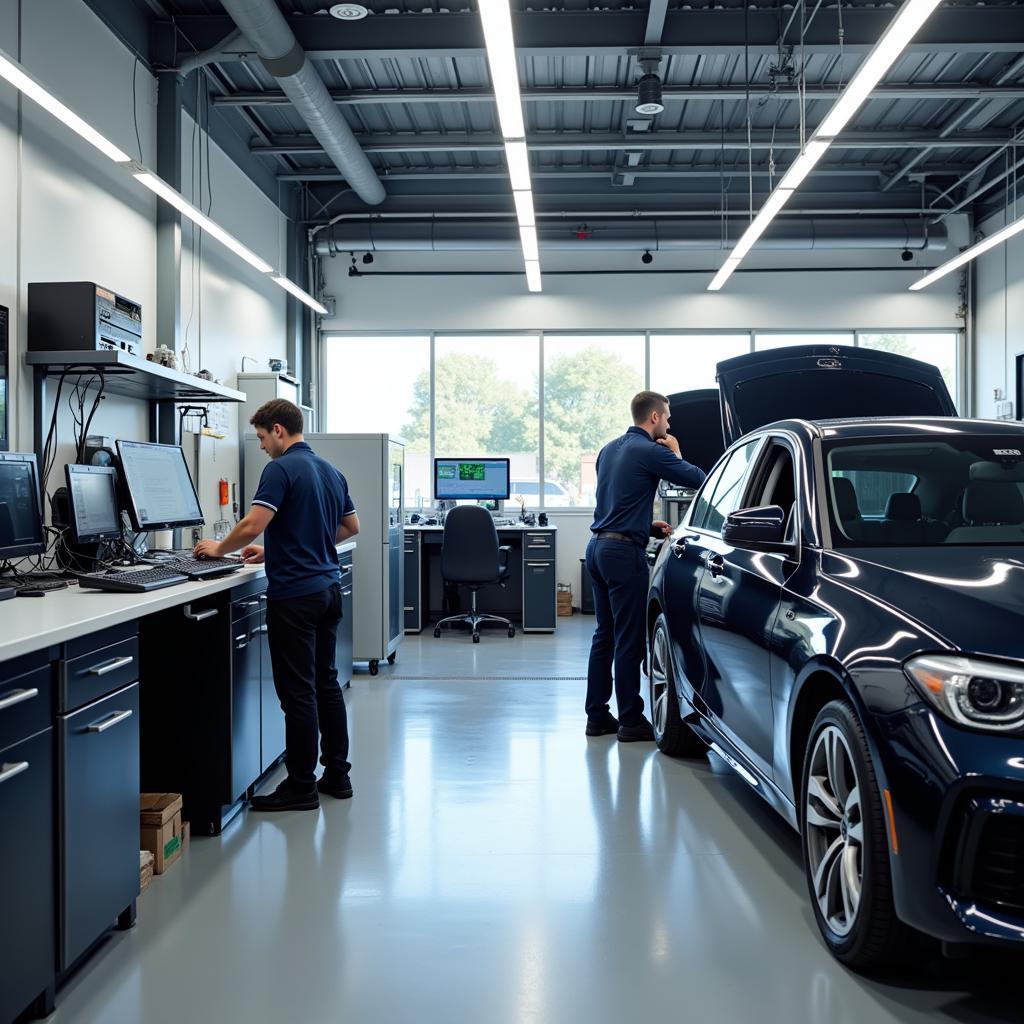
20, 521
93, 500
470, 479
161, 490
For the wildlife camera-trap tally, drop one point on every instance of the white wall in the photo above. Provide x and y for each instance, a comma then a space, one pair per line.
68, 213
999, 329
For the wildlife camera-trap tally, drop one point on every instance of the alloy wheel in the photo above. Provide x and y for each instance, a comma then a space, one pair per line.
659, 682
835, 830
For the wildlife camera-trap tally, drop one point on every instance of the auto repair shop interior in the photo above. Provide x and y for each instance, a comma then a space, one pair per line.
460, 238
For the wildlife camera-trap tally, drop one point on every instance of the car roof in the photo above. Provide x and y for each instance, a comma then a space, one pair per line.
895, 426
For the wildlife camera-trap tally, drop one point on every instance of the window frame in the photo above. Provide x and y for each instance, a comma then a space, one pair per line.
961, 394
756, 443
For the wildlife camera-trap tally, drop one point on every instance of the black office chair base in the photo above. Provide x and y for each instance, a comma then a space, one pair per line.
473, 619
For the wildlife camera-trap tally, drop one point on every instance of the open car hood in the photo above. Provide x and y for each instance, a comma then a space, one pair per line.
696, 423
818, 382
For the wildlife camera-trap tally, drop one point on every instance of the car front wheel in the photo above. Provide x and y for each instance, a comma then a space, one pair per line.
846, 845
673, 736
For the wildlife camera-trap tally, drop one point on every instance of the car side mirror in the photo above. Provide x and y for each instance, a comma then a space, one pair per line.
761, 529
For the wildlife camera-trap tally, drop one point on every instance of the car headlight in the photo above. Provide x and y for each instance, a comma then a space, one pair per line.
982, 694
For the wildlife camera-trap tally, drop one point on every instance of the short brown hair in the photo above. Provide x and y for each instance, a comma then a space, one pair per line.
644, 404
278, 410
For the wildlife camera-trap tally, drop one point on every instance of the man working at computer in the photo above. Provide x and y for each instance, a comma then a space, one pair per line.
303, 506
628, 472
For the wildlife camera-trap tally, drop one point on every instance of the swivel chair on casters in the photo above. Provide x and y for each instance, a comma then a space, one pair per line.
471, 556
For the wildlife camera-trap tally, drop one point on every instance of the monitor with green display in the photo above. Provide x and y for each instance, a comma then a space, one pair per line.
472, 479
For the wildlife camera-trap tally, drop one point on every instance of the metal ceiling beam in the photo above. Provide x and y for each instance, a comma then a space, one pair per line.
571, 174
701, 94
614, 33
655, 22
462, 142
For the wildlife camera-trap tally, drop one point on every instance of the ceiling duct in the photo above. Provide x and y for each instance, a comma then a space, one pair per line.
358, 233
267, 31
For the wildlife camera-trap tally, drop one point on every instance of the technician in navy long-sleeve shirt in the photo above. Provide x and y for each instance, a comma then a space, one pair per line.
628, 472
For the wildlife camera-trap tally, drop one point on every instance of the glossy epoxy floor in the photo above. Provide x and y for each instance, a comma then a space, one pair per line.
497, 866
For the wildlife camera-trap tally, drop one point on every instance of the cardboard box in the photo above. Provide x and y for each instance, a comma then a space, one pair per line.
564, 601
162, 831
145, 870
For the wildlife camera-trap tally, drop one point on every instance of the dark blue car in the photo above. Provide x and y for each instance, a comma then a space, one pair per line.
839, 617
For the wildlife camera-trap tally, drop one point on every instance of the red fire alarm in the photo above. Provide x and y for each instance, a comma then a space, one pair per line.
583, 232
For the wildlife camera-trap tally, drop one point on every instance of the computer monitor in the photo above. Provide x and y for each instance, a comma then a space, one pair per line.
21, 519
161, 495
93, 512
471, 479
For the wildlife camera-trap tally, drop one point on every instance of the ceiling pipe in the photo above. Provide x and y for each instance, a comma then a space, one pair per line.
263, 25
462, 234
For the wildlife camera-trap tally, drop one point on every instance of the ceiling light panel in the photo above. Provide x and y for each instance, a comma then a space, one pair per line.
524, 208
305, 297
501, 57
533, 275
1011, 229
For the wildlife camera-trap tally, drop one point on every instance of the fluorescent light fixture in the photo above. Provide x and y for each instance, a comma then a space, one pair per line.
180, 203
518, 165
501, 56
912, 15
533, 275
294, 289
528, 236
724, 273
804, 163
765, 216
15, 74
524, 208
1011, 229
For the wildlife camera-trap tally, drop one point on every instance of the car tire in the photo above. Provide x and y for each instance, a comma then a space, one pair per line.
846, 846
672, 735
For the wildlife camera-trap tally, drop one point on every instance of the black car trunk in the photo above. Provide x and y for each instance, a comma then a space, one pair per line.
696, 423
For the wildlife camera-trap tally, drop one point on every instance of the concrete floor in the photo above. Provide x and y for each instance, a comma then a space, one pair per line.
497, 866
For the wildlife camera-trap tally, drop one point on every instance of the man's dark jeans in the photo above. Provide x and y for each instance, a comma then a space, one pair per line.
302, 632
619, 573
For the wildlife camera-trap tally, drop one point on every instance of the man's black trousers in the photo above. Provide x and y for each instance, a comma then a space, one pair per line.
303, 632
619, 573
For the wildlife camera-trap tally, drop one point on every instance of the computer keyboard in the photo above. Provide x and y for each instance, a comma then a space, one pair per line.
200, 568
133, 581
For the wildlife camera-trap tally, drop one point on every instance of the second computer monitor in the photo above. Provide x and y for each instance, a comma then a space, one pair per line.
477, 479
161, 495
21, 520
93, 512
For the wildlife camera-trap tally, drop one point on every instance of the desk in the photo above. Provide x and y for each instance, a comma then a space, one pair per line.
528, 598
104, 696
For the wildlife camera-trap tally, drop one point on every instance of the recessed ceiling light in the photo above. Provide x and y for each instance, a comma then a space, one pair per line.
348, 12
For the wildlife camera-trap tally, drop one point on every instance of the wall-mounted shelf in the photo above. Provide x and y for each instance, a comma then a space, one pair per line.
133, 377
129, 377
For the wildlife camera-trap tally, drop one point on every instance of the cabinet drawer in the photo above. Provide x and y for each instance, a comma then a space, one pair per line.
26, 705
27, 938
99, 818
247, 606
99, 672
537, 544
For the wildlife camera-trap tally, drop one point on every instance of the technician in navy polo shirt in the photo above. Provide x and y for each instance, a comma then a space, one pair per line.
303, 507
628, 471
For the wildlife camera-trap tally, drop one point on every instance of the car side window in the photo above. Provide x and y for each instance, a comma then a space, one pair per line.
728, 489
776, 484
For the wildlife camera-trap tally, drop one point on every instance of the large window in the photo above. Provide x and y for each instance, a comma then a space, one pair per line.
486, 402
381, 385
548, 401
589, 381
686, 362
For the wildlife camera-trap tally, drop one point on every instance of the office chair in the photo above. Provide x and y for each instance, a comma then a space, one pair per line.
471, 556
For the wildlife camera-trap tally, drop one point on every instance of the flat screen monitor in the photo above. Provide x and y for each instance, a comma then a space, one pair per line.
21, 519
92, 503
161, 495
471, 479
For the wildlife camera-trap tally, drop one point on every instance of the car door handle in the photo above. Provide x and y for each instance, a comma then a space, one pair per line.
715, 564
679, 546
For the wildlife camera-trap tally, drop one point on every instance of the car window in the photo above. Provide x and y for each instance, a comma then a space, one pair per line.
525, 487
553, 488
775, 484
951, 489
715, 505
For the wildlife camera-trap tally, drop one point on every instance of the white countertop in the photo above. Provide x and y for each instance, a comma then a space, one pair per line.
30, 623
515, 527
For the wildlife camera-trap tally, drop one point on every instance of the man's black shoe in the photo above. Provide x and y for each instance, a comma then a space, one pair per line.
643, 732
607, 726
287, 797
340, 787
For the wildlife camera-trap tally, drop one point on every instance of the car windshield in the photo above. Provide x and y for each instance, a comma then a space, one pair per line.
947, 489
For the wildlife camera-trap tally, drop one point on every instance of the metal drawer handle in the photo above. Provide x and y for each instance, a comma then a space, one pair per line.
263, 597
410, 608
111, 666
538, 565
114, 718
346, 593
199, 616
241, 636
17, 697
8, 771
247, 604
259, 629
